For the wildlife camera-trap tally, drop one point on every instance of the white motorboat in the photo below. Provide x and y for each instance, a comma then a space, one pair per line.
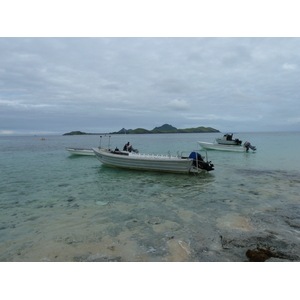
233, 148
81, 151
228, 140
194, 163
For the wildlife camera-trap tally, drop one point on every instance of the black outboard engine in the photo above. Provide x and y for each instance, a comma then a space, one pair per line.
208, 166
249, 146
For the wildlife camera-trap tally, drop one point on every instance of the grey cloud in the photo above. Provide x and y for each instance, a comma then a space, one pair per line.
217, 82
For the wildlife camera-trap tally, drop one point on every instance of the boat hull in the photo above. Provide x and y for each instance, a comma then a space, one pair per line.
212, 146
146, 162
81, 151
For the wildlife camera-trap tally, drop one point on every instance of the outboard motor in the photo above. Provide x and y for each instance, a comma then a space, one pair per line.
248, 145
208, 166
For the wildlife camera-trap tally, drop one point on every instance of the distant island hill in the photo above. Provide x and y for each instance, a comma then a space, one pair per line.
166, 128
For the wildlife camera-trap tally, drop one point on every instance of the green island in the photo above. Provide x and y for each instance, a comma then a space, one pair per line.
81, 133
166, 128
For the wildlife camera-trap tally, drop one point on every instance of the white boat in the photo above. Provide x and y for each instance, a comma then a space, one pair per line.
194, 163
81, 151
233, 148
228, 140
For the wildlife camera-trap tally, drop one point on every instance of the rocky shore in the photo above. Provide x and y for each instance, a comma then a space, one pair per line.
268, 236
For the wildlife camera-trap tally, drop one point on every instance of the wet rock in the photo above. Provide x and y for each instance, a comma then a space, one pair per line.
71, 199
259, 255
250, 245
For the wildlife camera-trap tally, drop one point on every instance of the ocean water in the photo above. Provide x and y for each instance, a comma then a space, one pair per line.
59, 207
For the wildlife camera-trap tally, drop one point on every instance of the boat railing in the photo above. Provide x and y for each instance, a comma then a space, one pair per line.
145, 155
108, 146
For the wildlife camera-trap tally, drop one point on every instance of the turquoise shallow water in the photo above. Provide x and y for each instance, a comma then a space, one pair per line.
58, 207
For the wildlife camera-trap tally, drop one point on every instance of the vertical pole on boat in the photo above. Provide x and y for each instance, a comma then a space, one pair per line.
125, 134
109, 142
100, 141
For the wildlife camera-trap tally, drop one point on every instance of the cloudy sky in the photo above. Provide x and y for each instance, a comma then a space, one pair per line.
102, 84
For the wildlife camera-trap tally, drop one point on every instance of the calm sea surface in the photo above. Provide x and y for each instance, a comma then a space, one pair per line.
58, 207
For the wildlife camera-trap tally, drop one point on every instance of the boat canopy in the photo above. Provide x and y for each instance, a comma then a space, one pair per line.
195, 155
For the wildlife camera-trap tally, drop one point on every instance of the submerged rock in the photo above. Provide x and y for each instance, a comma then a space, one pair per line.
88, 257
101, 203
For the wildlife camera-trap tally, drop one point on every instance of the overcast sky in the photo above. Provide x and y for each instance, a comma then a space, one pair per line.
56, 85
